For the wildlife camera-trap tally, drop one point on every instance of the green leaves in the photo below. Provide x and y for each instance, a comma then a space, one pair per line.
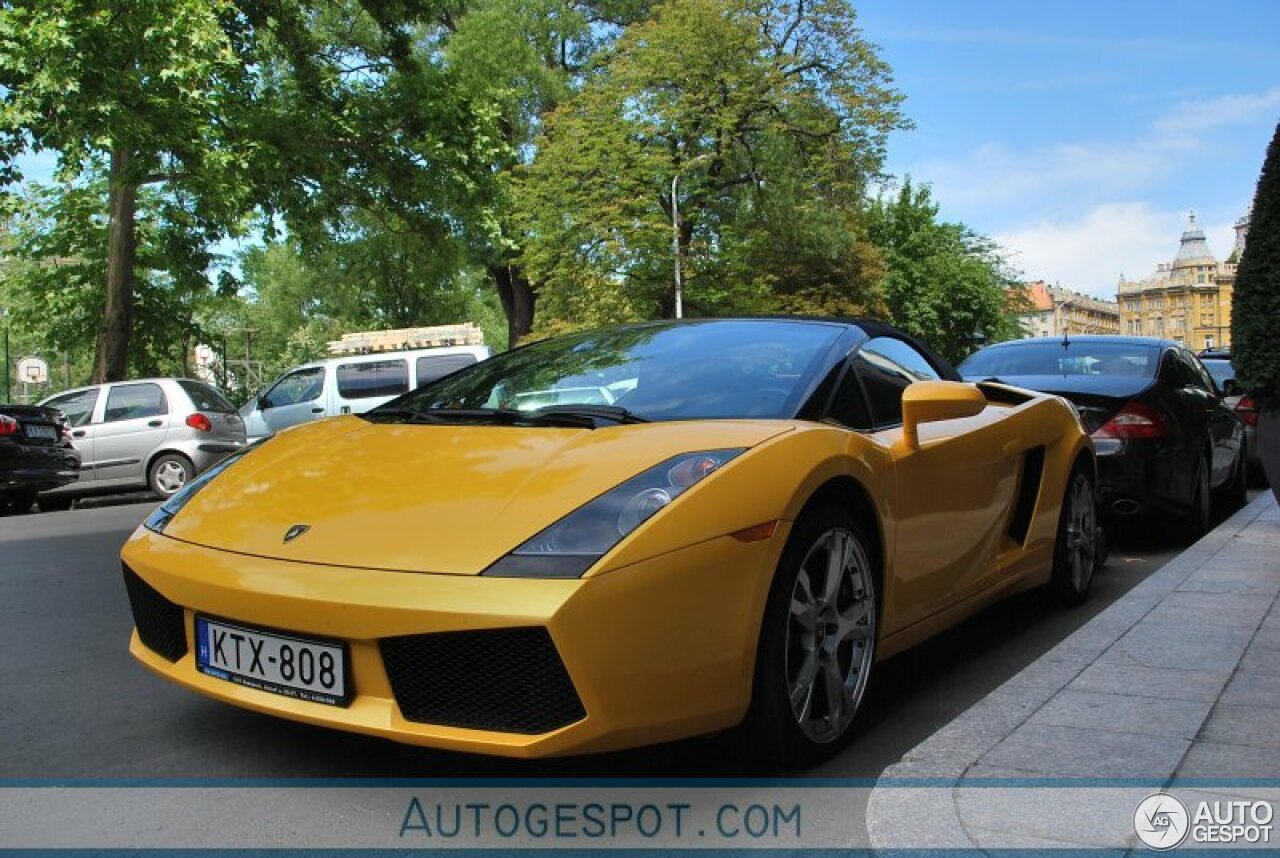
1255, 312
944, 284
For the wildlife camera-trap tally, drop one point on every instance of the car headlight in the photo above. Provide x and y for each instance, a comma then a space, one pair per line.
163, 514
569, 547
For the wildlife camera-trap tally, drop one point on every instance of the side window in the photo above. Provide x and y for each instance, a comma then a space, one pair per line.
132, 401
76, 407
374, 378
430, 368
849, 405
304, 385
886, 367
1206, 380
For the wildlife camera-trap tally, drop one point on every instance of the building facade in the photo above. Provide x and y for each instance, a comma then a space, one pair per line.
1188, 299
1056, 312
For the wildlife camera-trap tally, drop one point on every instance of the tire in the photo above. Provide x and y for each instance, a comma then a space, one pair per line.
817, 647
168, 473
1075, 549
18, 503
54, 504
1195, 522
1237, 494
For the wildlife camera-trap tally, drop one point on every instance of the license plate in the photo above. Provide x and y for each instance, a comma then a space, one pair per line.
298, 667
38, 430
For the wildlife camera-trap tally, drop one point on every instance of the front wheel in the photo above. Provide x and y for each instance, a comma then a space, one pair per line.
1075, 551
818, 642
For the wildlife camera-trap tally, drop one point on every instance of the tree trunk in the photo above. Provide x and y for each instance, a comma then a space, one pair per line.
111, 362
518, 298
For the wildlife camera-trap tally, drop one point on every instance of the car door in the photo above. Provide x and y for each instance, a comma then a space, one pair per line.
953, 495
78, 407
295, 398
1225, 432
135, 421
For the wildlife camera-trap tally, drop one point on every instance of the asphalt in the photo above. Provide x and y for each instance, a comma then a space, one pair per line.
1176, 683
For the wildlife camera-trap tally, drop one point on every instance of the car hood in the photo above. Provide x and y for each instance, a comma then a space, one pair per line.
428, 498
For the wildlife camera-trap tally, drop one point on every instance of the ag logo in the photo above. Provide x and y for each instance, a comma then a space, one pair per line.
1161, 821
294, 532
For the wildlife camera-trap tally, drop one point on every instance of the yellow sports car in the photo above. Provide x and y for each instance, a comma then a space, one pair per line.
617, 538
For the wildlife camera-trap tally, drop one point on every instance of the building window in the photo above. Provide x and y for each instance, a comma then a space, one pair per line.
1208, 342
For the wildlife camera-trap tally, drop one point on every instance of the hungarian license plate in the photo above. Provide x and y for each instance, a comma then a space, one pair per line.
299, 667
39, 430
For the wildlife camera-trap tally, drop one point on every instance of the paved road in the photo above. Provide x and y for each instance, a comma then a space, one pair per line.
74, 704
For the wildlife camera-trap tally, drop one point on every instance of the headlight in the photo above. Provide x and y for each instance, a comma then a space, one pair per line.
163, 514
569, 547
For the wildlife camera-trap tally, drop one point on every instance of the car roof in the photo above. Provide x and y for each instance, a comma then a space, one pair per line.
1121, 339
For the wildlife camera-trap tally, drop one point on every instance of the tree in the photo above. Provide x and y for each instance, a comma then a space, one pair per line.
158, 90
58, 258
944, 283
766, 120
1255, 312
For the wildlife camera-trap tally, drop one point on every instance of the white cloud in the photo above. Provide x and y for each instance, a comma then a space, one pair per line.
1220, 112
1090, 252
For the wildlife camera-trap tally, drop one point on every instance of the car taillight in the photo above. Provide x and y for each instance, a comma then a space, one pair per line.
8, 426
1247, 411
1134, 421
199, 422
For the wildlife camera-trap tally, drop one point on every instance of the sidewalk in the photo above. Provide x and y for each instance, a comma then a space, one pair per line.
1178, 679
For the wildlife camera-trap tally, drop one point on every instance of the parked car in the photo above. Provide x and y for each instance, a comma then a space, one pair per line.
1165, 439
1218, 362
766, 508
35, 454
155, 433
349, 385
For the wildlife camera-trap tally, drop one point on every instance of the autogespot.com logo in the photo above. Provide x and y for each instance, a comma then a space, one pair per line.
1161, 821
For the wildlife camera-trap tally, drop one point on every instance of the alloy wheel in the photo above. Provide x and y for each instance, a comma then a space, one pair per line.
1082, 532
830, 641
171, 476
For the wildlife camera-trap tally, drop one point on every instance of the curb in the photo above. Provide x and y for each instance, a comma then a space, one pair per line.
1115, 699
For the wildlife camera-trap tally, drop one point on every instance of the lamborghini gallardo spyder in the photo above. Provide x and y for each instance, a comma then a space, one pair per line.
617, 538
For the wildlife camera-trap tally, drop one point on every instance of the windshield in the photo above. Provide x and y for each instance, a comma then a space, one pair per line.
206, 398
1051, 357
682, 371
1220, 369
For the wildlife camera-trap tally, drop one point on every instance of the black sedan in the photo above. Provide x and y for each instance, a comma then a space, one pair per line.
1165, 439
35, 455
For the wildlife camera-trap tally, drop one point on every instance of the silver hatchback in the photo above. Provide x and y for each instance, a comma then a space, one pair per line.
155, 433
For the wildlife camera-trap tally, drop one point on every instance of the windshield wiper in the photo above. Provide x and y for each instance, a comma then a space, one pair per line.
615, 413
571, 416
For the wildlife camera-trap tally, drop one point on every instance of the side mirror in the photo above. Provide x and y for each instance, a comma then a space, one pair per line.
263, 403
1229, 387
932, 401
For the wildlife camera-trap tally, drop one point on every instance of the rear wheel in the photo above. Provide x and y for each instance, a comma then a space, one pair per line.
170, 472
818, 641
1075, 551
16, 503
1195, 522
1237, 494
54, 504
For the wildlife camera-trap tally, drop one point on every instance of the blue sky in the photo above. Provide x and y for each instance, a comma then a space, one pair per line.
1080, 134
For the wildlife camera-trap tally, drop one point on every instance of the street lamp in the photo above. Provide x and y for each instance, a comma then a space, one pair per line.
675, 228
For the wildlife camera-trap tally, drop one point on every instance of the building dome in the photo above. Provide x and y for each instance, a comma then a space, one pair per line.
1194, 250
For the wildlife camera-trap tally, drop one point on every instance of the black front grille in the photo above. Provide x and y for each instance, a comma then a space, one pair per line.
159, 621
508, 680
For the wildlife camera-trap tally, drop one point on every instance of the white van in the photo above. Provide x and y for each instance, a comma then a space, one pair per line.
349, 385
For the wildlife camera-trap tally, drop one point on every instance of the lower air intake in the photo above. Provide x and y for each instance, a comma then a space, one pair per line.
506, 680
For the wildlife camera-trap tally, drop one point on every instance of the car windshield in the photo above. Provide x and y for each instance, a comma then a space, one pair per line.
1220, 369
206, 398
1053, 357
679, 371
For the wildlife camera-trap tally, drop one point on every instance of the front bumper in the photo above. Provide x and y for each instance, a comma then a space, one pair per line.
655, 651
